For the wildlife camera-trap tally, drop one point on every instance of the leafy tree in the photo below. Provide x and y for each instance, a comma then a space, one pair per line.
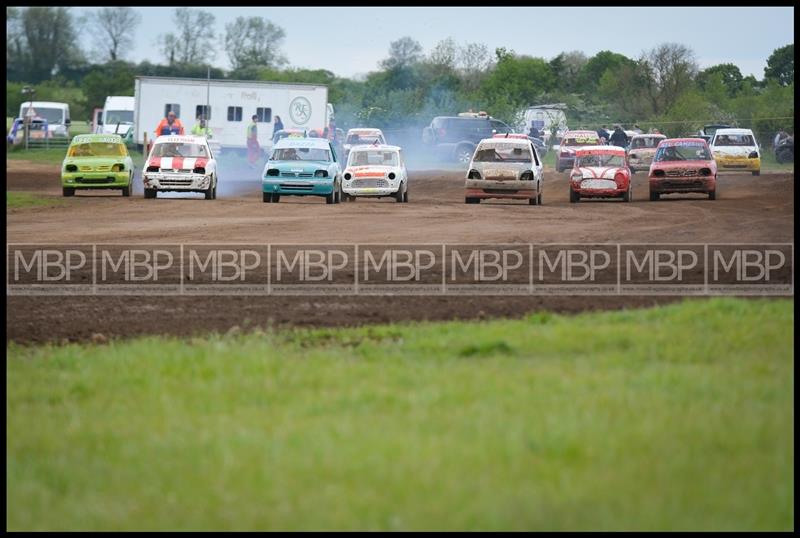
254, 41
113, 29
567, 68
780, 65
113, 78
194, 41
518, 79
42, 41
669, 70
730, 75
403, 53
597, 65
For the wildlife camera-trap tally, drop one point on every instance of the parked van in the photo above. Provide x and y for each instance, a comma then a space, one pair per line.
55, 114
117, 116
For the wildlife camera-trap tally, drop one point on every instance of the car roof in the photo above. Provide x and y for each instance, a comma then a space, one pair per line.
382, 147
734, 131
615, 150
321, 143
678, 141
181, 139
94, 137
522, 142
53, 104
364, 130
649, 135
581, 132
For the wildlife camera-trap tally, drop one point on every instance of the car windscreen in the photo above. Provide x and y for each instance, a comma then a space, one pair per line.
301, 154
734, 140
355, 139
373, 157
645, 142
601, 160
173, 149
580, 140
119, 116
688, 152
96, 149
503, 153
52, 115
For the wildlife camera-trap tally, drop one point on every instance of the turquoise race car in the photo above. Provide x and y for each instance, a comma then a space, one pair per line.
302, 167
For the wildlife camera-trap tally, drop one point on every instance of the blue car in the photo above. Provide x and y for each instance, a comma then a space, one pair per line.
302, 167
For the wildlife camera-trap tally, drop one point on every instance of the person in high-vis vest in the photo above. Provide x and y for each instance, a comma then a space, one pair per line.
201, 129
170, 125
253, 147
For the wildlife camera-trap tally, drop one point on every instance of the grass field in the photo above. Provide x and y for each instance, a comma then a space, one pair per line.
678, 417
16, 200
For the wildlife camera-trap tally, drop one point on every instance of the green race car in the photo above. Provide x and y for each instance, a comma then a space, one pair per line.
97, 161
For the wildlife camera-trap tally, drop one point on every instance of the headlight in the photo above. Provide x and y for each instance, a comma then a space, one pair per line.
119, 167
577, 177
199, 170
348, 176
71, 168
753, 155
526, 176
658, 173
321, 173
619, 177
474, 174
705, 171
391, 175
152, 168
273, 172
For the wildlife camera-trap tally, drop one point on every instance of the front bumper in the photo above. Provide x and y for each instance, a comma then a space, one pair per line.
487, 188
594, 188
370, 186
177, 182
702, 184
739, 163
310, 187
566, 162
94, 180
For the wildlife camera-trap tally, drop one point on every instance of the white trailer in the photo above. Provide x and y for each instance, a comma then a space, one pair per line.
228, 106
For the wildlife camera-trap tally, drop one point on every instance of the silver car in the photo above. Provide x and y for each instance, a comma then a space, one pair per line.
505, 167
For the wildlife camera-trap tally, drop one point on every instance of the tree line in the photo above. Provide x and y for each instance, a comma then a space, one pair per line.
663, 86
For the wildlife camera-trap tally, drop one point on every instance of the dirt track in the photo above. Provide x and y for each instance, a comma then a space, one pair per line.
748, 209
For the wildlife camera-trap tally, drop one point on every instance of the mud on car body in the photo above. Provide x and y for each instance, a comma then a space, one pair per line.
683, 165
375, 171
180, 163
600, 172
97, 161
505, 167
571, 141
736, 149
302, 167
641, 150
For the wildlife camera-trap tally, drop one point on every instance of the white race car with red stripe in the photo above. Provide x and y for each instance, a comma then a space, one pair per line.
600, 172
180, 163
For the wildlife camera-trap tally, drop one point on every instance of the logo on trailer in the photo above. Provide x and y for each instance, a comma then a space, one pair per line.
300, 110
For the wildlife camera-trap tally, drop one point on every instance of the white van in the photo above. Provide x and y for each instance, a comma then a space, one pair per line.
117, 116
56, 115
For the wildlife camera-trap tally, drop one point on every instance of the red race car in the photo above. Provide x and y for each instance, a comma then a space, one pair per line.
600, 172
683, 165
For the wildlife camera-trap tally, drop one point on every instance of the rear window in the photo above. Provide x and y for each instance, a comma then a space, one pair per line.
579, 140
735, 140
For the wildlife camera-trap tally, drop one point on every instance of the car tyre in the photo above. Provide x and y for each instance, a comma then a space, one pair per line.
712, 195
574, 197
757, 173
331, 198
68, 191
628, 196
266, 197
464, 153
539, 198
469, 200
405, 195
654, 196
150, 193
398, 196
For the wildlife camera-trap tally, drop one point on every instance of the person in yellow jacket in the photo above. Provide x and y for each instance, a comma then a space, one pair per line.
202, 129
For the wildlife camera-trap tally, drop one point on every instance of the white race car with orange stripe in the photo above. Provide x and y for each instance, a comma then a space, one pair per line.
376, 170
180, 163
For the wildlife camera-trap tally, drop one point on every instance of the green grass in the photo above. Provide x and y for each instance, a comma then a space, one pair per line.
56, 156
16, 200
677, 417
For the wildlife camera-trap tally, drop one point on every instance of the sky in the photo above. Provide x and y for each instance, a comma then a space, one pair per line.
351, 42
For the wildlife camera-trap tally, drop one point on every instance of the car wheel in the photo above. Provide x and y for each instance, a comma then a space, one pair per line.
463, 154
126, 191
539, 198
574, 196
627, 196
469, 200
276, 198
757, 173
266, 197
533, 201
68, 191
712, 195
150, 193
331, 198
209, 193
398, 196
405, 195
654, 196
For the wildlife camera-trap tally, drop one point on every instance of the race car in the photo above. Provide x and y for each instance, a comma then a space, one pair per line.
377, 171
641, 150
362, 136
683, 165
600, 172
302, 167
97, 161
736, 149
288, 133
180, 163
505, 167
573, 140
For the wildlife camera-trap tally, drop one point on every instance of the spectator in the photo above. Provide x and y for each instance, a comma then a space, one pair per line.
619, 138
780, 137
170, 125
278, 126
603, 133
253, 147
